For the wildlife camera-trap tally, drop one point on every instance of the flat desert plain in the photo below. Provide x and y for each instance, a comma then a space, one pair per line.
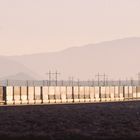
71, 121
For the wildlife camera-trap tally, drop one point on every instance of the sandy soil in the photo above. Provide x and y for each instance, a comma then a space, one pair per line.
66, 122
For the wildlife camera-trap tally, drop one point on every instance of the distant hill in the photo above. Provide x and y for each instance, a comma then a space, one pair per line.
18, 76
118, 58
10, 69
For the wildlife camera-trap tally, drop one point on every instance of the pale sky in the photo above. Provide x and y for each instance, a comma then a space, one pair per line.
34, 26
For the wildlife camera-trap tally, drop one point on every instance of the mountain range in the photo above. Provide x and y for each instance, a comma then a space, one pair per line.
117, 58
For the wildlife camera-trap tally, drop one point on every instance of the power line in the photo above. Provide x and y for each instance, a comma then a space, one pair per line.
104, 76
71, 80
50, 74
56, 76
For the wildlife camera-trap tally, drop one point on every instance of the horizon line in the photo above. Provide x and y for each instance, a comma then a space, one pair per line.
57, 51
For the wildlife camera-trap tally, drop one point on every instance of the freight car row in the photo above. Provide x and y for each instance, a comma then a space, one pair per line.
15, 95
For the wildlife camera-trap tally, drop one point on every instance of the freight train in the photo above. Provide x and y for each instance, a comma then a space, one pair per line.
26, 95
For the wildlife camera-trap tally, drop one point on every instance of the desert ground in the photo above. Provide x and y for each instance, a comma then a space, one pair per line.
70, 122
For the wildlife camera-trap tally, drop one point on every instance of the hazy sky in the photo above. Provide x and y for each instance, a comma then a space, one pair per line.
33, 26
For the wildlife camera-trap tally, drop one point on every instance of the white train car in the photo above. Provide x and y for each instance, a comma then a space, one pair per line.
76, 94
103, 93
58, 94
121, 93
126, 92
81, 94
108, 98
9, 95
130, 94
134, 92
52, 98
24, 97
17, 94
92, 94
116, 94
38, 95
97, 93
70, 96
112, 93
138, 92
87, 94
2, 95
45, 94
63, 94
31, 95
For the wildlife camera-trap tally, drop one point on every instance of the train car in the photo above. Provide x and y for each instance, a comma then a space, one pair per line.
24, 97
31, 95
108, 98
63, 94
97, 94
112, 93
38, 95
87, 94
116, 95
138, 92
52, 97
58, 94
92, 94
70, 96
45, 94
103, 93
9, 95
2, 95
82, 94
76, 94
16, 95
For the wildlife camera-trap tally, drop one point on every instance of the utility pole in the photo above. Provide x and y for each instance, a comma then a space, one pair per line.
104, 78
138, 78
49, 77
93, 82
7, 82
120, 82
71, 80
62, 83
98, 76
88, 83
131, 81
106, 81
126, 82
112, 82
78, 82
56, 77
